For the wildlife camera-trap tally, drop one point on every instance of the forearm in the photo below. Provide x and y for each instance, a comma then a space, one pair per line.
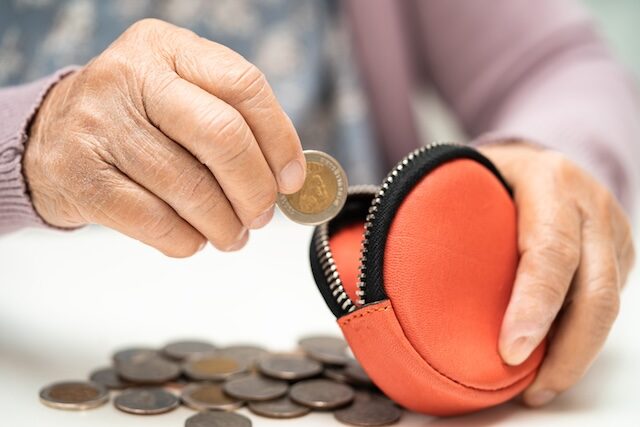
18, 106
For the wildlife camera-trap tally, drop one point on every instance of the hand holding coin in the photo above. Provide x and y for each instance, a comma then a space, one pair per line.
322, 195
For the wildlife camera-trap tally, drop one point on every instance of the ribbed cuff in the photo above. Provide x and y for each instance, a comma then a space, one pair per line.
18, 106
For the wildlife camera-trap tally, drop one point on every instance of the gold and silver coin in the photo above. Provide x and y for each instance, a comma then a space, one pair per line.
74, 395
209, 396
322, 195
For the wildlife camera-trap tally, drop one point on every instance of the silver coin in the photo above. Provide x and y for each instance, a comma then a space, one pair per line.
289, 366
109, 378
369, 410
322, 195
74, 395
217, 419
254, 387
329, 350
146, 401
180, 350
245, 352
336, 374
279, 408
148, 370
321, 394
213, 367
357, 375
134, 354
209, 396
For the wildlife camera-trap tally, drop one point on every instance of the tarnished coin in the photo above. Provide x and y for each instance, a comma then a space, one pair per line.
212, 367
180, 350
206, 396
254, 387
369, 410
74, 395
322, 195
336, 374
109, 378
321, 394
244, 352
356, 375
217, 419
325, 349
134, 354
148, 370
279, 408
288, 366
146, 401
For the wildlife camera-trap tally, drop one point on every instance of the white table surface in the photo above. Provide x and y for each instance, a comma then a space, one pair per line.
68, 300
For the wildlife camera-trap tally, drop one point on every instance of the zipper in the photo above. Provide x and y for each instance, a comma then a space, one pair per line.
378, 206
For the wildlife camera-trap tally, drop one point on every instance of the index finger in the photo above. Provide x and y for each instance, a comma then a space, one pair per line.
230, 77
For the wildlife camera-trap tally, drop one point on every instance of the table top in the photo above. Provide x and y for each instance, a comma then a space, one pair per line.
68, 300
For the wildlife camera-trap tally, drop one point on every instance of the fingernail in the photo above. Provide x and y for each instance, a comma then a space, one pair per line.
244, 237
541, 397
262, 220
291, 176
519, 350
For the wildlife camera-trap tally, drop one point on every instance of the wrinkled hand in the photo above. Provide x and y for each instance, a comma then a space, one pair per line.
166, 137
576, 251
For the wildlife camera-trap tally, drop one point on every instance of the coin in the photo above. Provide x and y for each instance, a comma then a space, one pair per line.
74, 395
336, 374
244, 352
369, 410
217, 419
205, 396
279, 408
322, 195
180, 350
254, 387
134, 354
288, 366
356, 375
109, 378
146, 401
148, 370
325, 349
321, 394
212, 367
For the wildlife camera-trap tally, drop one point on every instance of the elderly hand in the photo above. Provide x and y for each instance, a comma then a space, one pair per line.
576, 250
166, 137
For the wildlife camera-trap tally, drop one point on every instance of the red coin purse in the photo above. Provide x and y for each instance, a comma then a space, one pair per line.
418, 273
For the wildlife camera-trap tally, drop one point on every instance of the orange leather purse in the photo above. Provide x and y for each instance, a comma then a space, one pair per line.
418, 273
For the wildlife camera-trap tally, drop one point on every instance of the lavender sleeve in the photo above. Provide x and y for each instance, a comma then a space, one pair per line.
540, 71
18, 106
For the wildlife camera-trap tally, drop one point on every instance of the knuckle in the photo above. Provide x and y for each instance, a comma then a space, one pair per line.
146, 26
603, 303
557, 249
158, 226
248, 82
231, 134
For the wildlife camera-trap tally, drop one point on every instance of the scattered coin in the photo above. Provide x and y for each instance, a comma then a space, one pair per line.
279, 408
148, 370
322, 195
146, 401
206, 396
244, 352
369, 410
180, 350
134, 354
217, 419
109, 378
254, 387
213, 367
289, 366
356, 375
336, 374
321, 394
325, 349
74, 395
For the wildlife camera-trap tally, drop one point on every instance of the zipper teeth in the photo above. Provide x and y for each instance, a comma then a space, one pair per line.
325, 256
373, 209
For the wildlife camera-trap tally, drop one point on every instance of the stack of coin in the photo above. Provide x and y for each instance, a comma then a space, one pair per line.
318, 376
